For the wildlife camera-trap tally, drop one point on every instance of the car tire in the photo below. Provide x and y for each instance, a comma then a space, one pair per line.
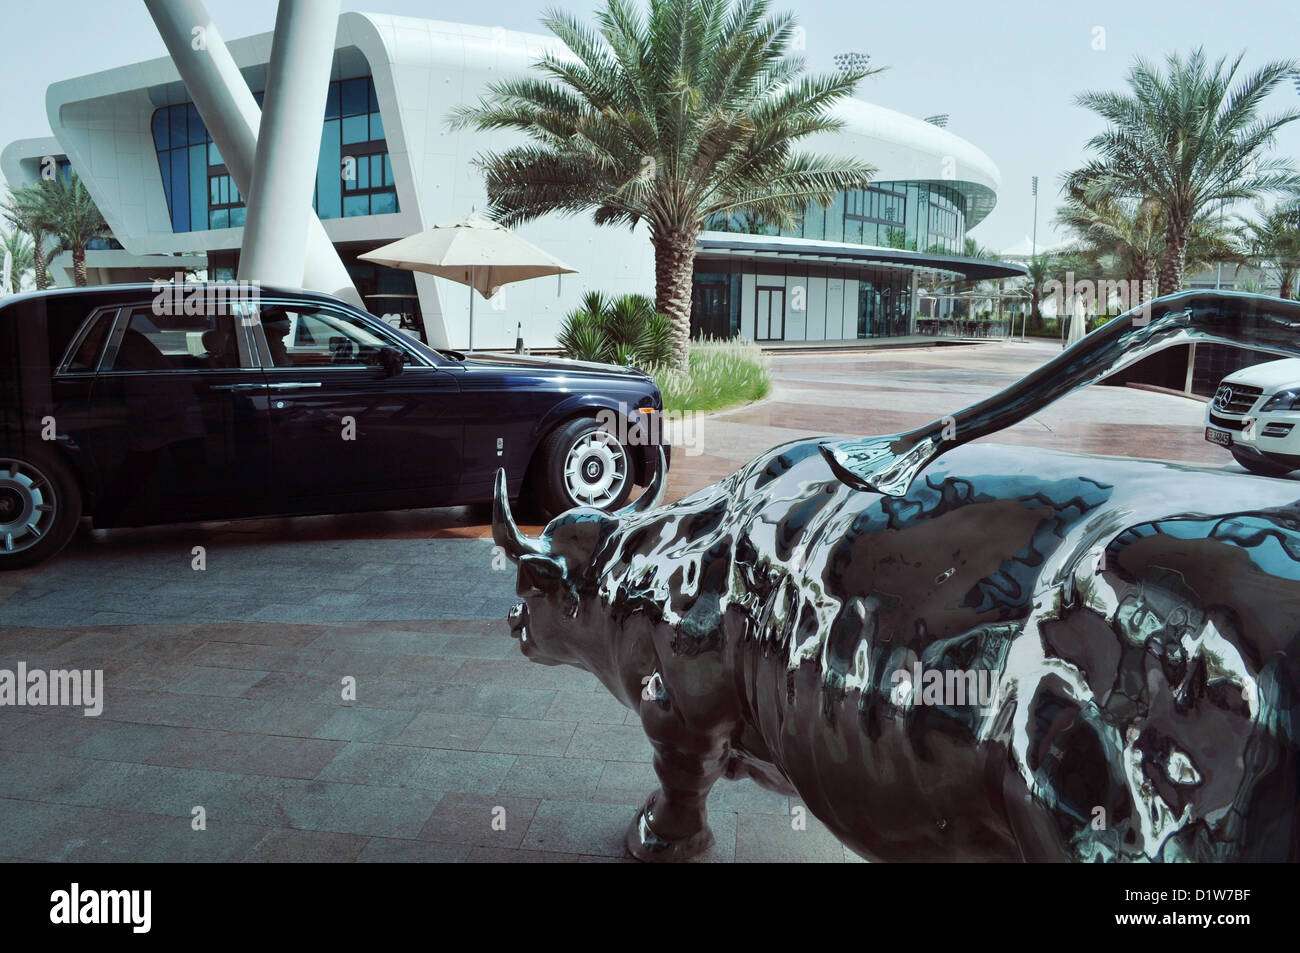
1260, 466
40, 506
581, 457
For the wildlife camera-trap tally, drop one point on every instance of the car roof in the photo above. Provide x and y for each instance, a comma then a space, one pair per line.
131, 289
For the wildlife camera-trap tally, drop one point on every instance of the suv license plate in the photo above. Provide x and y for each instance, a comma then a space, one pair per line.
1221, 437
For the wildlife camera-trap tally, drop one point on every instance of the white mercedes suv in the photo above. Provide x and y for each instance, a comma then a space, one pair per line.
1255, 414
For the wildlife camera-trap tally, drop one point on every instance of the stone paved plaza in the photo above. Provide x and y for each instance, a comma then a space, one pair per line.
223, 686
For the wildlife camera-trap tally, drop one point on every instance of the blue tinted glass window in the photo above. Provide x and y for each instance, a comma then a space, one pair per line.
160, 128
198, 132
388, 170
356, 205
382, 203
329, 180
214, 154
178, 133
214, 191
219, 218
376, 126
354, 129
363, 174
332, 102
198, 158
180, 189
237, 216
370, 88
356, 97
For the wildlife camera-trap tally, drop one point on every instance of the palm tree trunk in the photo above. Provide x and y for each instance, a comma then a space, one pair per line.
79, 267
1288, 284
1171, 269
674, 269
38, 260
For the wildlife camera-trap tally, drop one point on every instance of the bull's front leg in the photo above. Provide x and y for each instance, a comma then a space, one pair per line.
673, 823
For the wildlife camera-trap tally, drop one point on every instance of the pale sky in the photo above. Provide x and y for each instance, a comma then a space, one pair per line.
1006, 71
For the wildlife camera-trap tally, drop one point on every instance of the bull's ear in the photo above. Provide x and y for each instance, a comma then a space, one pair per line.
577, 536
540, 573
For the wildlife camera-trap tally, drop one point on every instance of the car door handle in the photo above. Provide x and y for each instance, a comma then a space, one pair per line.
234, 387
295, 385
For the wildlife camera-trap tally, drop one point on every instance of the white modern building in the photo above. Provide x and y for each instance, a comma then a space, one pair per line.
390, 166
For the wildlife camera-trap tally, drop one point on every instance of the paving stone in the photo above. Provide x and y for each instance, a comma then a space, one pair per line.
290, 846
579, 827
498, 855
366, 763
771, 838
529, 736
610, 743
464, 772
432, 729
364, 724
591, 707
555, 778
626, 782
406, 851
480, 820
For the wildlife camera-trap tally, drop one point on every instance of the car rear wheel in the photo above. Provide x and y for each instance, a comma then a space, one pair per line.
583, 464
1261, 466
40, 507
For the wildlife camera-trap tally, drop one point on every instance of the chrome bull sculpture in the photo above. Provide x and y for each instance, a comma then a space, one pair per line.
953, 651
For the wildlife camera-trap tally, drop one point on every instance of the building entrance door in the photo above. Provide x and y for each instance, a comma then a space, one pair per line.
770, 315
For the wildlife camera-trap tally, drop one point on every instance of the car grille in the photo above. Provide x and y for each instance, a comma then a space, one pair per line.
1225, 423
1236, 398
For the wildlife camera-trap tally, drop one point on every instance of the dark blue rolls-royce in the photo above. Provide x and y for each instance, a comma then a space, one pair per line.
142, 404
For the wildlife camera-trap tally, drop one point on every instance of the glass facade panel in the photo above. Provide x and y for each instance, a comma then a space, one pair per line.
201, 195
916, 216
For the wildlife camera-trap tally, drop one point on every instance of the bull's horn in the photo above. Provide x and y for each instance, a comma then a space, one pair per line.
654, 493
505, 533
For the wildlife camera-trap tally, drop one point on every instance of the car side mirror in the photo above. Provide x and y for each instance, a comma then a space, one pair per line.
392, 361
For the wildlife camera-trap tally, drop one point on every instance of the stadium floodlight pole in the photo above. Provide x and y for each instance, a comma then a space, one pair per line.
1033, 250
232, 117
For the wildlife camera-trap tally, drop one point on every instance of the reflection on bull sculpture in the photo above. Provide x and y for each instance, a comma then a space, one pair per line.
821, 621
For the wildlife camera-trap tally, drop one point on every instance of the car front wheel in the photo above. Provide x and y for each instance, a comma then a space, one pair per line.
584, 464
1261, 466
40, 507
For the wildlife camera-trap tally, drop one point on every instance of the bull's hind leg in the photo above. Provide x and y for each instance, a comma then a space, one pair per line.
673, 823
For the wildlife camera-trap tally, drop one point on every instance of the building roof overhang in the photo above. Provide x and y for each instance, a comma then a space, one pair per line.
767, 247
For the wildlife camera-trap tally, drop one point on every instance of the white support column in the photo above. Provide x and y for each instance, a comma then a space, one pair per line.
231, 114
288, 142
914, 304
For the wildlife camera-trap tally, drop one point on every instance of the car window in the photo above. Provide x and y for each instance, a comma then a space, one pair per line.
85, 356
161, 342
319, 337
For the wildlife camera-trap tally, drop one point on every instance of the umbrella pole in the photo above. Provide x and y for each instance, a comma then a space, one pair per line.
471, 308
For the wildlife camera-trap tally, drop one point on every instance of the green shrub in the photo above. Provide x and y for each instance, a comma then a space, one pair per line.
720, 374
622, 330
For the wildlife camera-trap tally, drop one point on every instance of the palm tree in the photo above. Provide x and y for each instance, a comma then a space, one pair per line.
1127, 233
22, 258
1187, 138
63, 207
1039, 271
20, 211
1272, 243
669, 118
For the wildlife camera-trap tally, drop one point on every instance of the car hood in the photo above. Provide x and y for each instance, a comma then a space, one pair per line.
1271, 376
554, 365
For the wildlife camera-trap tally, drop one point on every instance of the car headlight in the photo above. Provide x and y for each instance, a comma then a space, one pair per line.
1283, 400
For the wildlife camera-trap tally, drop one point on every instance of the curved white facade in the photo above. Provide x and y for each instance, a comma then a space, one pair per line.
422, 70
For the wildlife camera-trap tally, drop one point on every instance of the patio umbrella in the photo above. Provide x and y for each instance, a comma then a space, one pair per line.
473, 251
1078, 323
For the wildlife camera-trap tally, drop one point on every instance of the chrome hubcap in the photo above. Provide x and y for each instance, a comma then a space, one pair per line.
596, 470
27, 506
